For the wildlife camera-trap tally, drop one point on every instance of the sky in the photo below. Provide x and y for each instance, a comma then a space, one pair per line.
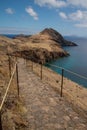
69, 17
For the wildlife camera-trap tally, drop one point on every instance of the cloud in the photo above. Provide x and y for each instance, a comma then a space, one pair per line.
62, 3
31, 12
75, 16
80, 17
63, 15
9, 11
51, 3
78, 3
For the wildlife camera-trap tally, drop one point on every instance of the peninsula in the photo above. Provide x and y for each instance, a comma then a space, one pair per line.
44, 46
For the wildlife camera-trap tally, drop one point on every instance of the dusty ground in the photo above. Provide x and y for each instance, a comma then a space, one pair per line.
45, 109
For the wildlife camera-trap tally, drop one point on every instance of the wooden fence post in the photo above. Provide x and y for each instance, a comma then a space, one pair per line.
9, 60
61, 94
0, 122
25, 61
16, 58
32, 65
41, 70
17, 79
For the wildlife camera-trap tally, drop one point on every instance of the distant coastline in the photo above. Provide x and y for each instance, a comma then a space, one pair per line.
68, 37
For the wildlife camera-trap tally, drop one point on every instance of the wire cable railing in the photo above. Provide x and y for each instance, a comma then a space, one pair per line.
67, 70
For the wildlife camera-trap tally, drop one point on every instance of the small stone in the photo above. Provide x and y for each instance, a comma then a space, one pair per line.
76, 117
53, 102
65, 125
81, 126
67, 118
70, 128
45, 108
58, 126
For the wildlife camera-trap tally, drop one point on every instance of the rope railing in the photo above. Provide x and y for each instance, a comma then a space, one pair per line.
3, 100
15, 70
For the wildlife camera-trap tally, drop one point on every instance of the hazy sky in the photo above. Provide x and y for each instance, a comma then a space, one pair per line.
69, 17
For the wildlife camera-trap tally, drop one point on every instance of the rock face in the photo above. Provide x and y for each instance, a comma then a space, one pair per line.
40, 55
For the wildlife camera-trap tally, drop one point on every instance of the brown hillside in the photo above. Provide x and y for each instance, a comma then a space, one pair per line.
46, 45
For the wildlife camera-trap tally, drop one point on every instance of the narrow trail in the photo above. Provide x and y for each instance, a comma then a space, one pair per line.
45, 109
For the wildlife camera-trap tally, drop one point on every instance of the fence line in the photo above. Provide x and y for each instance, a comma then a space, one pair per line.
62, 75
15, 70
8, 87
75, 93
9, 60
83, 77
61, 94
17, 78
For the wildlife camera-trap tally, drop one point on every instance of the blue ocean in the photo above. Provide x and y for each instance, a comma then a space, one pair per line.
76, 62
9, 35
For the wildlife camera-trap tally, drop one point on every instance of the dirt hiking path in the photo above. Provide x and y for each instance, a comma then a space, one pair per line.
46, 110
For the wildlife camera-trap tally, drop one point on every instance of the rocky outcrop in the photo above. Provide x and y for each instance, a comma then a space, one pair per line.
40, 55
57, 37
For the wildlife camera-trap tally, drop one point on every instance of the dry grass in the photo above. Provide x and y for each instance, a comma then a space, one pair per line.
46, 45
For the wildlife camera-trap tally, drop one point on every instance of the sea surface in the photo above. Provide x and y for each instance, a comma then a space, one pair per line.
76, 62
9, 35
